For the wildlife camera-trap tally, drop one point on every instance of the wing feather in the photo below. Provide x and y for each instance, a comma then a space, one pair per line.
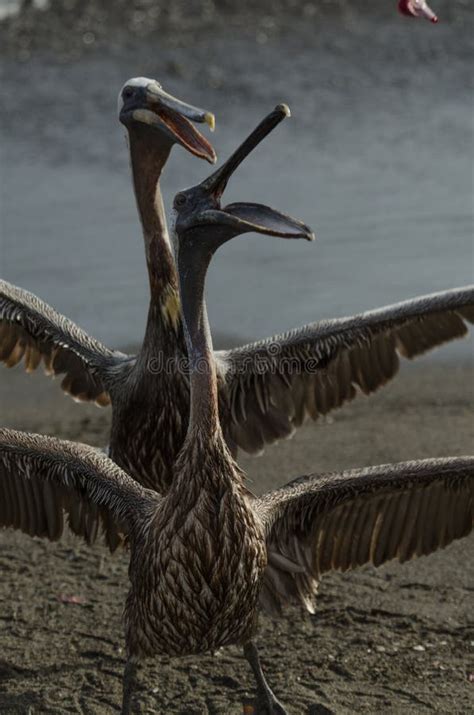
45, 480
273, 385
32, 331
344, 520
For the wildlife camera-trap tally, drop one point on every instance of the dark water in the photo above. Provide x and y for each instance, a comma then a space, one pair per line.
377, 158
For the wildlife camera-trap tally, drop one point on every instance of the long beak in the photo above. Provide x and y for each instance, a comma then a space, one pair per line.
215, 184
239, 218
163, 109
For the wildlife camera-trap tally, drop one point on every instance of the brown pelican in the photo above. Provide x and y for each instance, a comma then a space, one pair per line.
266, 389
32, 330
203, 554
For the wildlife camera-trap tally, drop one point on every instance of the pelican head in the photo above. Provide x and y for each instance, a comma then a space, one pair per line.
142, 102
198, 216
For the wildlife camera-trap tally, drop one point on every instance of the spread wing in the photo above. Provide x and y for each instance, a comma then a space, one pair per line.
270, 387
33, 331
45, 481
340, 521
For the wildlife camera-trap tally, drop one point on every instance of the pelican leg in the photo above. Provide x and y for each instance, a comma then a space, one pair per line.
129, 684
267, 704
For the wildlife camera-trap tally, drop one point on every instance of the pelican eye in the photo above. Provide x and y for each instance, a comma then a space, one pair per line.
180, 200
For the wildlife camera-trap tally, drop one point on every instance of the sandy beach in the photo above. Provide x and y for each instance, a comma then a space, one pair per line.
399, 639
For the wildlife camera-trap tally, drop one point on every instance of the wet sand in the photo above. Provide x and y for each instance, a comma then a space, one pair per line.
399, 639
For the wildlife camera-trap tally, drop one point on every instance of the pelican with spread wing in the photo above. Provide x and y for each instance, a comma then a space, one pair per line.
205, 556
267, 389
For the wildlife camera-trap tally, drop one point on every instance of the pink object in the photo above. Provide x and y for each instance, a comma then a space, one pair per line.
417, 8
76, 600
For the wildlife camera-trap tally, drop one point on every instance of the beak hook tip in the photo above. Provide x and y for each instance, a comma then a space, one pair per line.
284, 109
210, 120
